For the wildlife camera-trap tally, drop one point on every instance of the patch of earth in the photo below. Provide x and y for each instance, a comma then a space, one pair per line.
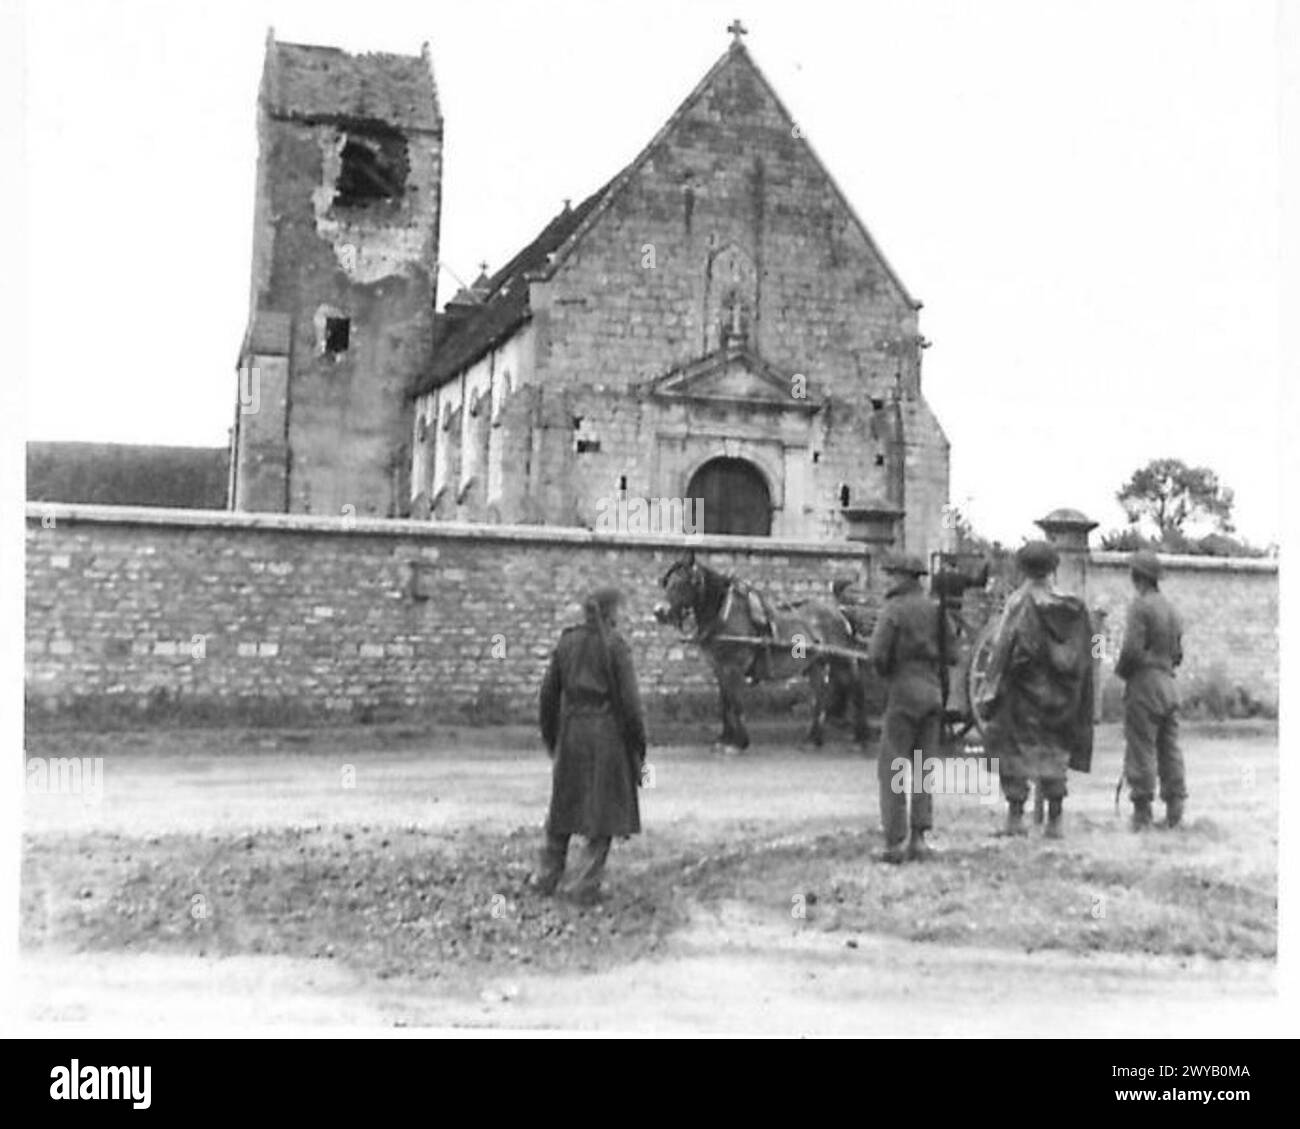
392, 902
411, 903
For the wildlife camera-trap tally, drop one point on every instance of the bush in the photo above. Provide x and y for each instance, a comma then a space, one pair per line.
1205, 697
1211, 545
489, 707
1211, 695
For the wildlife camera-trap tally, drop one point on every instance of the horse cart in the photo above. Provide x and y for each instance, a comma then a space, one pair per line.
749, 639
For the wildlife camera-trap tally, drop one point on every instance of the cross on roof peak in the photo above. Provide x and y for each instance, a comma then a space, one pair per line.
737, 29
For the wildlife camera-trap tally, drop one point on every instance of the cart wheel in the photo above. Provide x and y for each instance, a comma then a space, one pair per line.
977, 671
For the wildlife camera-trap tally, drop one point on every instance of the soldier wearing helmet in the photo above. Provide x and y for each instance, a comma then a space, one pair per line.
907, 648
1040, 690
1152, 650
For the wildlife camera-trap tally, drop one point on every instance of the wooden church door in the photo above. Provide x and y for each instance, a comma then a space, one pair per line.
734, 498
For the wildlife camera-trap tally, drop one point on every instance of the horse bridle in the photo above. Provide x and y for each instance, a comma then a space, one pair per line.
695, 581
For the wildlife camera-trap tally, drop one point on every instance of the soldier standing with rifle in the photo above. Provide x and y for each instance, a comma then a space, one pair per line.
594, 730
908, 647
1152, 650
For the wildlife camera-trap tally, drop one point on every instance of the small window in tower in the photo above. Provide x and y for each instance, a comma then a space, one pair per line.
880, 460
877, 404
338, 332
817, 456
844, 497
585, 439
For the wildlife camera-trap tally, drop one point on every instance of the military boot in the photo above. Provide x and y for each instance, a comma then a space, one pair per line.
1173, 812
1141, 815
1055, 820
918, 850
543, 884
1015, 824
895, 854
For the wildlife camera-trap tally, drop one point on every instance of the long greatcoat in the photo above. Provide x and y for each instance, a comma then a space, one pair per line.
597, 756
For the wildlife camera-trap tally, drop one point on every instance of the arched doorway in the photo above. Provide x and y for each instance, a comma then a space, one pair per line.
734, 498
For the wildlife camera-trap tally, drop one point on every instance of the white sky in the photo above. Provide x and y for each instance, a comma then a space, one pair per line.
1085, 195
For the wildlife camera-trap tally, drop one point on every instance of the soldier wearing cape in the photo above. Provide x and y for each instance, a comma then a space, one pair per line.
1040, 688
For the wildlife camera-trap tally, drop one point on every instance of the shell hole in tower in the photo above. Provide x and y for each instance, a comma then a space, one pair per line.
373, 169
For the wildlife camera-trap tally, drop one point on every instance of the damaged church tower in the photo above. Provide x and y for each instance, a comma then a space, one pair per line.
345, 244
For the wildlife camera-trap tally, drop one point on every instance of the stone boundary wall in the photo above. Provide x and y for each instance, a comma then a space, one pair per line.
1229, 607
154, 615
145, 615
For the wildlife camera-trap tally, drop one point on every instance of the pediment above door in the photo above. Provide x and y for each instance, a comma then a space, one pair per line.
736, 376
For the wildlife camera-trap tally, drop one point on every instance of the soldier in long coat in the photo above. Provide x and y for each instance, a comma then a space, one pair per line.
594, 730
1040, 690
1151, 652
911, 641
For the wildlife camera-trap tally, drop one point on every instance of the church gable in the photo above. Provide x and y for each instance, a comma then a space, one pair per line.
725, 225
733, 137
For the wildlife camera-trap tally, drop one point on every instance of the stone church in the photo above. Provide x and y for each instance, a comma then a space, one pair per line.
714, 323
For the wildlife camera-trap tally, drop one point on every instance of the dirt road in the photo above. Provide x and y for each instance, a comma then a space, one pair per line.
751, 905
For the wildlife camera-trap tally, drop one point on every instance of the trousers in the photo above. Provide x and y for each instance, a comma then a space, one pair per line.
1151, 749
904, 734
588, 869
1021, 762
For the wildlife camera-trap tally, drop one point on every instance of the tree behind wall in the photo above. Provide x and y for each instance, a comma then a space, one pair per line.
1165, 500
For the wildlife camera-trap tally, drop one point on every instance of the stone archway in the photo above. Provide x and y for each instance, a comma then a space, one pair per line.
734, 497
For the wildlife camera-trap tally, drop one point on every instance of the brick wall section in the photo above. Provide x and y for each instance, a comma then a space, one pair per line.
1229, 611
227, 616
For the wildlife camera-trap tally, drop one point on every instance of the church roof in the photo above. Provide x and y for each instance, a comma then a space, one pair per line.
325, 83
460, 343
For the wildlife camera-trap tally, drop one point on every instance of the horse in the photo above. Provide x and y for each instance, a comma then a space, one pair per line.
742, 647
